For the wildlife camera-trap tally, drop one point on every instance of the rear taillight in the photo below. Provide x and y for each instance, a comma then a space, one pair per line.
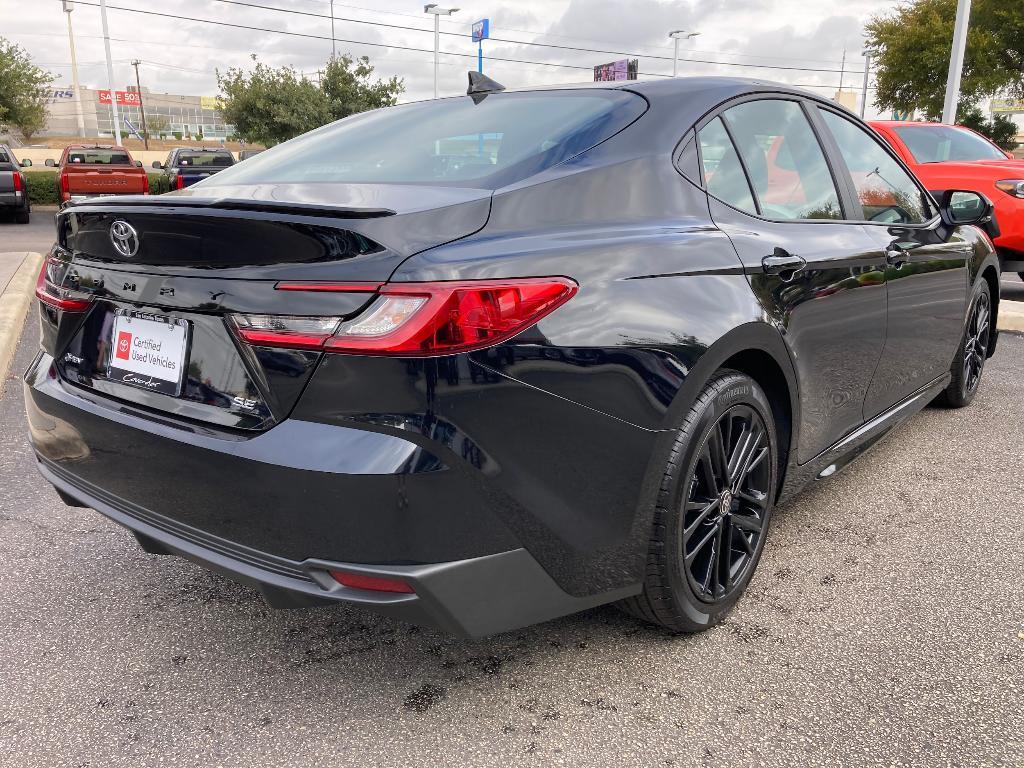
417, 319
18, 185
179, 182
49, 288
145, 183
371, 583
65, 185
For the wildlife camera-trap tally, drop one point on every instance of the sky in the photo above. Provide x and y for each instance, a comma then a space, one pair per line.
798, 42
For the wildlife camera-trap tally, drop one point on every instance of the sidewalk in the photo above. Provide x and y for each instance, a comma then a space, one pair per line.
18, 272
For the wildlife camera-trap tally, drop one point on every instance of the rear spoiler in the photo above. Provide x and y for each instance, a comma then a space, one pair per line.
293, 209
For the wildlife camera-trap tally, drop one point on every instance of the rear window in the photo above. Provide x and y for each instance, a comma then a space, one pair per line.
497, 140
98, 157
206, 159
939, 143
4, 157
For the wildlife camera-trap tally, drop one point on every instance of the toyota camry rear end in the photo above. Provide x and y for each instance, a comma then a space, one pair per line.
297, 372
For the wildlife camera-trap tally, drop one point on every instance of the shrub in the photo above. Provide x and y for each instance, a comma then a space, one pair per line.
42, 187
177, 135
158, 184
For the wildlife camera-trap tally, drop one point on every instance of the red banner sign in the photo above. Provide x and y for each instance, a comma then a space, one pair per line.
130, 98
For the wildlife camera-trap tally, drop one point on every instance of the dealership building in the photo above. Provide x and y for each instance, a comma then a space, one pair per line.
190, 116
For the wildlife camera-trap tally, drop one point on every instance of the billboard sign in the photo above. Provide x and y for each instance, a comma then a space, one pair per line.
481, 30
624, 69
128, 98
1007, 106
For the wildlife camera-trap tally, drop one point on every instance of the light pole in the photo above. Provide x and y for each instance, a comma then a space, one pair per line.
677, 35
110, 74
438, 13
142, 108
864, 87
334, 51
69, 6
956, 60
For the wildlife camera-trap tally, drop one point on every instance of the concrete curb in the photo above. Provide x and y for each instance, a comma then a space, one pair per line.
1011, 316
14, 303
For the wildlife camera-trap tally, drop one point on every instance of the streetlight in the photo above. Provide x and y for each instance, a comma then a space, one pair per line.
69, 6
956, 60
438, 12
677, 35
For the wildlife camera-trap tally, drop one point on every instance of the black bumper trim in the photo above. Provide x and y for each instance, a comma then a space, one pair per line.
470, 598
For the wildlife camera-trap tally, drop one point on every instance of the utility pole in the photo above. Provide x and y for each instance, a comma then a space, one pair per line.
334, 50
438, 12
142, 108
956, 60
864, 87
677, 35
842, 72
69, 6
110, 74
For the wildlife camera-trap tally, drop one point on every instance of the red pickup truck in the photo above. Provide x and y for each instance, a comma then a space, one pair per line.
93, 171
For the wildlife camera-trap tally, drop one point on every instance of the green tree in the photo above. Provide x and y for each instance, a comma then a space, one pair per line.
1001, 129
157, 125
911, 48
347, 87
268, 105
22, 90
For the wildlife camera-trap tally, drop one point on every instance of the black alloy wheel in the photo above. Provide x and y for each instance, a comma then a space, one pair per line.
725, 509
976, 343
713, 507
969, 363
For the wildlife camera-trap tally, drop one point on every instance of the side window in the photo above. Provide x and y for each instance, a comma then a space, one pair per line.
886, 192
723, 173
786, 164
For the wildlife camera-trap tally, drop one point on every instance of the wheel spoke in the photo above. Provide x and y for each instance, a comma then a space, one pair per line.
747, 523
701, 544
717, 447
746, 542
716, 561
705, 510
707, 470
756, 458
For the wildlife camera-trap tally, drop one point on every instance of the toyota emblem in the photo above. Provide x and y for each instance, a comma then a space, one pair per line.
125, 238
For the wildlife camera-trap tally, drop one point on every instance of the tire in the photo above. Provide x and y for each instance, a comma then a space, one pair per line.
969, 362
1020, 275
22, 217
678, 591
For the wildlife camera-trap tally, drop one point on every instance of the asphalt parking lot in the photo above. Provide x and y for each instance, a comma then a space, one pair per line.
884, 627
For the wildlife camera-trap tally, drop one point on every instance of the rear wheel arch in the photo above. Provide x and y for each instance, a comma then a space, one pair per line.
991, 276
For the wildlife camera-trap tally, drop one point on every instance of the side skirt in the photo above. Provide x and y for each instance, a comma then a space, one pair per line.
853, 444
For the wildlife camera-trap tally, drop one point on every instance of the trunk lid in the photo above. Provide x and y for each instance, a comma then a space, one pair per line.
181, 263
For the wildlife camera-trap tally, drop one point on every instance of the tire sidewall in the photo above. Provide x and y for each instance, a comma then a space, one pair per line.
731, 389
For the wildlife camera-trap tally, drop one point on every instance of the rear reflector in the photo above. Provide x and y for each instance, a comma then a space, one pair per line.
371, 583
419, 319
50, 292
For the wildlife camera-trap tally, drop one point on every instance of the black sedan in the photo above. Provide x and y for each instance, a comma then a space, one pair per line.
484, 361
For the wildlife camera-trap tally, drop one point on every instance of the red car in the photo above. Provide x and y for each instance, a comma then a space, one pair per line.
87, 170
954, 157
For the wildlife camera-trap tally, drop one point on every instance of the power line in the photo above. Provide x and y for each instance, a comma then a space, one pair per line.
295, 12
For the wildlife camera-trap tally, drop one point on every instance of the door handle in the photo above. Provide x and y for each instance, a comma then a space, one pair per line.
783, 263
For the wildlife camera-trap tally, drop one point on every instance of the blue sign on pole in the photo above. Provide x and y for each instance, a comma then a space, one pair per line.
481, 31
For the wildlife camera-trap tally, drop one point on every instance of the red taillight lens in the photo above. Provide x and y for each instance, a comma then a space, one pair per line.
372, 583
145, 183
50, 292
179, 182
418, 319
18, 186
65, 184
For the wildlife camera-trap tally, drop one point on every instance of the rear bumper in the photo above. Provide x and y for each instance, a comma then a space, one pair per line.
13, 200
469, 598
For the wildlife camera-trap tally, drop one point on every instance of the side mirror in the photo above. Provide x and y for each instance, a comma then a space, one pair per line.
959, 207
49, 163
157, 164
26, 163
138, 163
